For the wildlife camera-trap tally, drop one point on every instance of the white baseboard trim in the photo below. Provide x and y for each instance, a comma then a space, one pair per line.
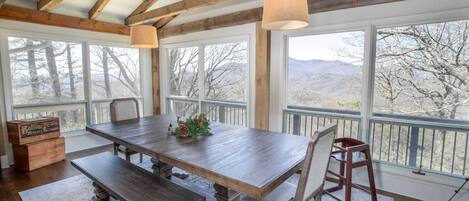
5, 163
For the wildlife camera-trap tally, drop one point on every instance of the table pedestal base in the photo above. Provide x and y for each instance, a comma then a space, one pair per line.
99, 193
162, 169
221, 193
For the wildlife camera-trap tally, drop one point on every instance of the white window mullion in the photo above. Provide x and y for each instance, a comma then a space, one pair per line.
87, 82
201, 67
7, 80
368, 81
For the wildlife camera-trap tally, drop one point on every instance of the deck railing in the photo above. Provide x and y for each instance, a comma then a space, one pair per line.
305, 121
182, 106
72, 115
425, 144
233, 113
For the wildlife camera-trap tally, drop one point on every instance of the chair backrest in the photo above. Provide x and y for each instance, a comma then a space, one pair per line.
316, 163
124, 109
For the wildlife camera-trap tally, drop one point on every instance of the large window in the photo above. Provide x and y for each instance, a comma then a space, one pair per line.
115, 73
47, 79
422, 70
420, 95
325, 71
210, 79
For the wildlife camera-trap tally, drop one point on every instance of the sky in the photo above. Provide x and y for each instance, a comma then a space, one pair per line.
323, 47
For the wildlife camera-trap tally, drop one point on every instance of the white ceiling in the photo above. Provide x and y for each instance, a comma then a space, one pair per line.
117, 10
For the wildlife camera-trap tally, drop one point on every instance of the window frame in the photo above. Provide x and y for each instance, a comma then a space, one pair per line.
332, 22
367, 112
242, 33
325, 32
364, 111
201, 45
87, 102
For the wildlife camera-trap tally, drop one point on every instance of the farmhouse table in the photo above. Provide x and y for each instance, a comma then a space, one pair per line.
245, 160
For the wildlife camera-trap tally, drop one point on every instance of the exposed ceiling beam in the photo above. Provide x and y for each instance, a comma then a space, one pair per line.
233, 19
143, 7
46, 5
168, 10
163, 21
33, 16
317, 6
253, 15
97, 9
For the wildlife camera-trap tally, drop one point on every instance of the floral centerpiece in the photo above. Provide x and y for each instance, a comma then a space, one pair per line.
193, 127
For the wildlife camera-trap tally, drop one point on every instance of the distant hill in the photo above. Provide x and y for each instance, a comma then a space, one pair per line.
310, 67
320, 83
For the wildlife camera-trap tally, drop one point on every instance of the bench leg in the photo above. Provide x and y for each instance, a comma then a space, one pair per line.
221, 193
162, 169
100, 193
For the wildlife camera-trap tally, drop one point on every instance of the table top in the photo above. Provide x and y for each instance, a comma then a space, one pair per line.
243, 159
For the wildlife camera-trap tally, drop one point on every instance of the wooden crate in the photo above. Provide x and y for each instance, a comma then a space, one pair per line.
39, 154
22, 132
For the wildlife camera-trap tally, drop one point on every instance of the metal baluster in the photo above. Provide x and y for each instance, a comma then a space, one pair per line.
373, 139
306, 124
465, 155
317, 122
311, 126
351, 124
398, 143
407, 160
433, 147
443, 151
381, 141
454, 151
389, 143
232, 116
343, 128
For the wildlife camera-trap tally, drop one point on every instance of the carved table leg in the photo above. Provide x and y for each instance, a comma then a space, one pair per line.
221, 193
100, 193
162, 169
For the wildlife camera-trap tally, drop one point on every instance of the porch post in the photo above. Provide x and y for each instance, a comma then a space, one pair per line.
155, 66
262, 78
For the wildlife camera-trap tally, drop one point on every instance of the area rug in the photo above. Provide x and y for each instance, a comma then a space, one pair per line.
79, 188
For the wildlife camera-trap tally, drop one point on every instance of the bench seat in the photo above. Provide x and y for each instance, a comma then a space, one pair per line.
127, 182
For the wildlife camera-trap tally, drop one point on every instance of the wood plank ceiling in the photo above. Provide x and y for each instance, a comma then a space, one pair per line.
159, 16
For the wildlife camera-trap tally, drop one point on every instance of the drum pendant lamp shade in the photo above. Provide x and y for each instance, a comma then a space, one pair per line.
143, 36
282, 15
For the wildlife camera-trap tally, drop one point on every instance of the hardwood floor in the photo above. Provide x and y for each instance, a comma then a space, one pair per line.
13, 182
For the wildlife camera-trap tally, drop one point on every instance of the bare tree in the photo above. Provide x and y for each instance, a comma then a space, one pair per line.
50, 56
33, 76
107, 81
433, 65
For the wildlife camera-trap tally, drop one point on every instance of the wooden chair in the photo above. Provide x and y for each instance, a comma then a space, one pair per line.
124, 109
351, 153
313, 174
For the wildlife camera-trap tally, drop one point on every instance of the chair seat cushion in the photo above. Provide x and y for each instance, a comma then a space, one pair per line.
285, 192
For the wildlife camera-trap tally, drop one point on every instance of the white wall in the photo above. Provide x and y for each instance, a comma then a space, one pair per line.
15, 28
431, 187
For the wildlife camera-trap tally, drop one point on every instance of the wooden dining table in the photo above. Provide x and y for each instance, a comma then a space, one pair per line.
244, 160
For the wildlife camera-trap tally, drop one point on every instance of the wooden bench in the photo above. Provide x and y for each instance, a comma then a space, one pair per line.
114, 176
